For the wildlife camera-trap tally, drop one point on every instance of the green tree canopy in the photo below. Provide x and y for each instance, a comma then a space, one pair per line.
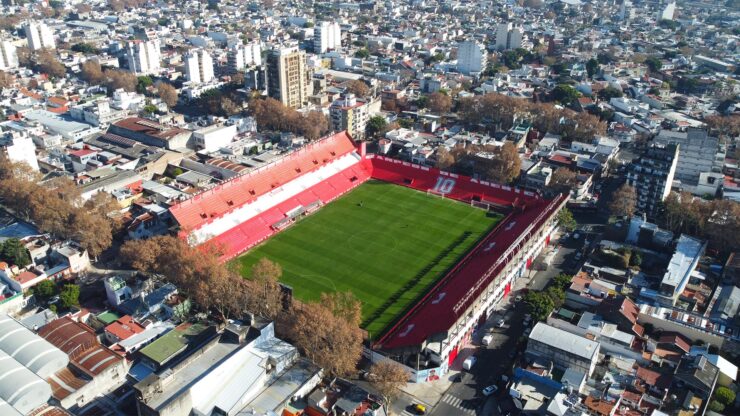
566, 94
13, 251
70, 296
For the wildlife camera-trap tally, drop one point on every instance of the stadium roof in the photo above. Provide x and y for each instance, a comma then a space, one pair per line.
241, 190
29, 349
436, 313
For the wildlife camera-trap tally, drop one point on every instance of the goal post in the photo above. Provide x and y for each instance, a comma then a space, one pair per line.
480, 204
432, 192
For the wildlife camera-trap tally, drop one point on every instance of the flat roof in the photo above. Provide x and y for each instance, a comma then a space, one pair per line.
564, 340
688, 251
172, 342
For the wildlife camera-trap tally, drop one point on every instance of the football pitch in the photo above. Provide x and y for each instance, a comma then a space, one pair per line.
386, 243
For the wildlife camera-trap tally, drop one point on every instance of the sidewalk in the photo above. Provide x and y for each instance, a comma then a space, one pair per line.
431, 392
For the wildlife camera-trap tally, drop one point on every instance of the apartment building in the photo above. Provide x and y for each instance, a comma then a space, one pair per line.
700, 154
8, 55
143, 56
508, 36
199, 66
289, 78
327, 36
39, 36
652, 175
471, 57
241, 57
349, 113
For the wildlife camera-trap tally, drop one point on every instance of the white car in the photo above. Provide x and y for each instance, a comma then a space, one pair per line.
518, 298
487, 340
490, 390
500, 323
469, 362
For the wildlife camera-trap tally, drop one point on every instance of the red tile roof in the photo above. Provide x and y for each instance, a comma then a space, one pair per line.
124, 327
149, 127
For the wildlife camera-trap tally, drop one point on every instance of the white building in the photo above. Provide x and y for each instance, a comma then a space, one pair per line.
8, 55
668, 11
243, 56
564, 349
143, 56
199, 66
327, 36
508, 36
699, 154
39, 36
214, 137
19, 148
471, 57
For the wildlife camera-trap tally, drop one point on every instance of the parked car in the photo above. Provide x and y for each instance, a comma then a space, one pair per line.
518, 298
419, 409
490, 390
500, 323
487, 340
469, 362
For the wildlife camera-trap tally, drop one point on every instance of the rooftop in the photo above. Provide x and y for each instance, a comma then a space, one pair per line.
687, 254
173, 342
563, 340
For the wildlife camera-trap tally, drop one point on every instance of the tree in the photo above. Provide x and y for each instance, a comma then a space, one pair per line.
566, 220
506, 164
14, 252
610, 92
267, 293
84, 48
623, 201
93, 232
375, 125
716, 406
565, 94
388, 378
70, 296
344, 305
444, 158
654, 64
330, 342
362, 53
724, 395
358, 88
48, 64
539, 305
116, 79
92, 72
563, 180
562, 280
6, 80
592, 67
440, 103
44, 290
167, 93
142, 83
556, 295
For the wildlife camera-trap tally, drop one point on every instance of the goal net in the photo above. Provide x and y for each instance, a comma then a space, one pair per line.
432, 192
480, 204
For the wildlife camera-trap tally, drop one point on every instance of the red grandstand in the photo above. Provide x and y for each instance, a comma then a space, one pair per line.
244, 211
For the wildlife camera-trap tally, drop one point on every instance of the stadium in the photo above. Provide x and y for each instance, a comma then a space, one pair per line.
429, 253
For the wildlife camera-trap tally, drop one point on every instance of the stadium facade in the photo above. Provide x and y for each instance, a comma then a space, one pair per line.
246, 210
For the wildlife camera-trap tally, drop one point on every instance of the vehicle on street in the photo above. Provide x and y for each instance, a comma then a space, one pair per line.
527, 332
487, 340
469, 362
500, 323
490, 390
419, 409
518, 298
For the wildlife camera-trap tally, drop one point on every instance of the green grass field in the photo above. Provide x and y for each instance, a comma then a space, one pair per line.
386, 243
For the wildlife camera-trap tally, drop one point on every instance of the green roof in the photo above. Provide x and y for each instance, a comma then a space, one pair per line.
108, 317
172, 343
565, 313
